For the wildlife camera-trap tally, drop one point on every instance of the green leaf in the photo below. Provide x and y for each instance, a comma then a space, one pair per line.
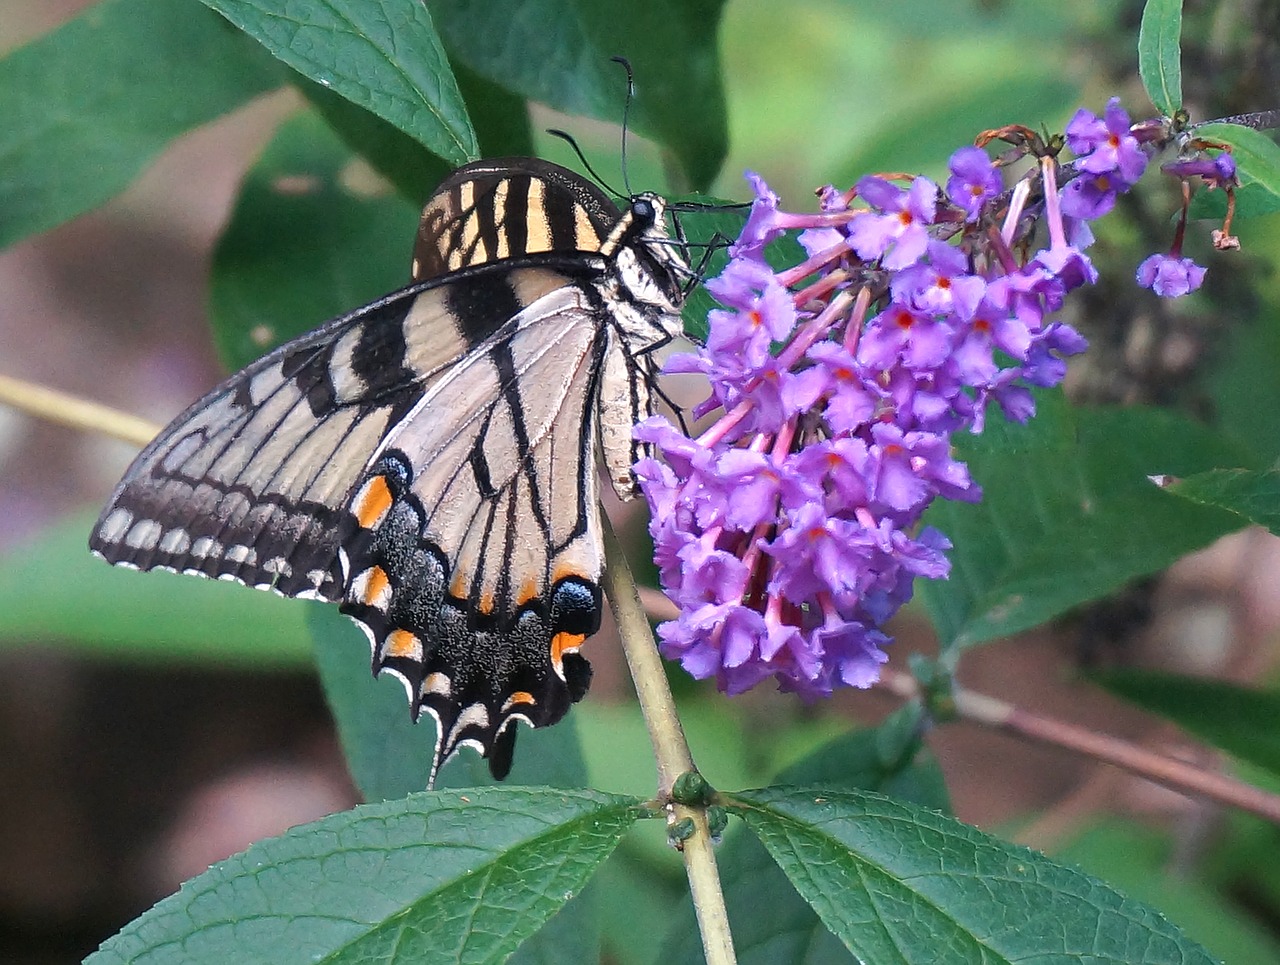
641, 889
1143, 862
501, 118
1243, 392
573, 935
1160, 54
1068, 514
887, 759
898, 883
560, 52
56, 592
395, 155
388, 754
383, 55
1239, 720
1233, 866
1257, 159
87, 106
305, 243
441, 877
1254, 496
771, 923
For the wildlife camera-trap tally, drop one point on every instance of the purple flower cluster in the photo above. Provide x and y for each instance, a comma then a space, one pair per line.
789, 531
1110, 161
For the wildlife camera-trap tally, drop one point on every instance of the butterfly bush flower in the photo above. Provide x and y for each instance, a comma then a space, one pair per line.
1170, 276
789, 530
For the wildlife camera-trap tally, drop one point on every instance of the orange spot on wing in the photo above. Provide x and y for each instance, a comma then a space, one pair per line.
458, 588
376, 585
520, 697
485, 603
529, 590
404, 645
373, 502
566, 570
563, 643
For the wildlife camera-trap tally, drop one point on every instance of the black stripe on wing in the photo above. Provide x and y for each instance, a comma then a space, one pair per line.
508, 208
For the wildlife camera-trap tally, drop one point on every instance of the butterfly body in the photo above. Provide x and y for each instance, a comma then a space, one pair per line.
428, 461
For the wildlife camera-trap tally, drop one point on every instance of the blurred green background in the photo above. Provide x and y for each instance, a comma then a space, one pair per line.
151, 725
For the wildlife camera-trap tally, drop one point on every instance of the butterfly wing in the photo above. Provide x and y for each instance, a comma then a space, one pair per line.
428, 461
250, 482
481, 579
473, 542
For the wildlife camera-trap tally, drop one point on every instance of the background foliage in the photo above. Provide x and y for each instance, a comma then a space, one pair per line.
322, 222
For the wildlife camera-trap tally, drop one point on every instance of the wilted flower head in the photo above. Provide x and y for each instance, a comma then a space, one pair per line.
789, 531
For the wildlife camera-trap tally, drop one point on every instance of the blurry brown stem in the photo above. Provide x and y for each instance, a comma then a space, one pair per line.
70, 410
1172, 773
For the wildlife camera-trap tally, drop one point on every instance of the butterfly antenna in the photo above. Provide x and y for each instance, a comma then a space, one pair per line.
569, 139
704, 206
626, 117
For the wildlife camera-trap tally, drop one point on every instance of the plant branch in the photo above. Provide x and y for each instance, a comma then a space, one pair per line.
658, 706
669, 747
69, 410
1159, 768
992, 712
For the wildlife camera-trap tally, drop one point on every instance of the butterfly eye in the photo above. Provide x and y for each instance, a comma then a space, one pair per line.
643, 210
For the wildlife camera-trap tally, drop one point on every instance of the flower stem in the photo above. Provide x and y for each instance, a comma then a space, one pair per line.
669, 748
69, 410
1172, 773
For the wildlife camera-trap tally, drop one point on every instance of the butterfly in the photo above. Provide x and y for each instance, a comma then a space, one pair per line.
428, 461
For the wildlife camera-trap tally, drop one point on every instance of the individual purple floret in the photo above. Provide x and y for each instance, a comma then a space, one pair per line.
1105, 145
1216, 172
974, 181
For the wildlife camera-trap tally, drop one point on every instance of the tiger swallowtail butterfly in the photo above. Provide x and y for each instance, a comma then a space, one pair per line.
427, 461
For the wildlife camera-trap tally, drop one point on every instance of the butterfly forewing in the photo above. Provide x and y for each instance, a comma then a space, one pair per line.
508, 208
248, 483
428, 460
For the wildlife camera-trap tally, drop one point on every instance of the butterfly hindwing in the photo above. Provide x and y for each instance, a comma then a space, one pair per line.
477, 573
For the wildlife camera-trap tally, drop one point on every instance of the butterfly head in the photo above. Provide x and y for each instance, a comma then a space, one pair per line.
648, 262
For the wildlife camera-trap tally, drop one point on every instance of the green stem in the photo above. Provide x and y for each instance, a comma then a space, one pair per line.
669, 748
